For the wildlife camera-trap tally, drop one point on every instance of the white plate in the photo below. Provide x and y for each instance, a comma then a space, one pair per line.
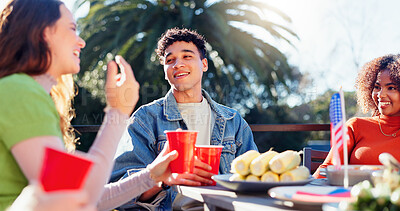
243, 186
286, 193
330, 207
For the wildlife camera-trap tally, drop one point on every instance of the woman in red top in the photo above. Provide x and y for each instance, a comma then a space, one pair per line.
378, 85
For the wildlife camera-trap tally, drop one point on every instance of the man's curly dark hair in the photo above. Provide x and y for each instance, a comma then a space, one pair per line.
367, 76
175, 35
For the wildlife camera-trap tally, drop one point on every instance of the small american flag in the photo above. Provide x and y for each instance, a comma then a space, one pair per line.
337, 130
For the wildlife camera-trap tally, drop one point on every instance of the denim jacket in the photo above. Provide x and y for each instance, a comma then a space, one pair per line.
145, 138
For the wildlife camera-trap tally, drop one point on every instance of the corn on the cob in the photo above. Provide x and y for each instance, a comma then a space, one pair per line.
260, 164
270, 176
299, 173
237, 177
252, 178
241, 164
284, 161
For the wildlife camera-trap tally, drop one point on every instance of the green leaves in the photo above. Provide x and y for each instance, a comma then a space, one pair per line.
254, 71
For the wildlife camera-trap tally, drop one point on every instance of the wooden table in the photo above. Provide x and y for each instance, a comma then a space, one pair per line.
220, 198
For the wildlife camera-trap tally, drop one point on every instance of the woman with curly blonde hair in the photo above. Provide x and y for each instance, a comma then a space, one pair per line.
378, 92
39, 53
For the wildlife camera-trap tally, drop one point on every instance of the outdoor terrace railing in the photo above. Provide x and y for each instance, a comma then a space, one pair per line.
254, 127
289, 127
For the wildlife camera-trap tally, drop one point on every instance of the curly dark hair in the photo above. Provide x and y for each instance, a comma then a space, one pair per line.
366, 79
175, 35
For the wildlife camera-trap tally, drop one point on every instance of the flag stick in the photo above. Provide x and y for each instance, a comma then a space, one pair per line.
344, 137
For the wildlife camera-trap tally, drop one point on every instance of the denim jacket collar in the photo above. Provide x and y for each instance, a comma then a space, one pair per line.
172, 113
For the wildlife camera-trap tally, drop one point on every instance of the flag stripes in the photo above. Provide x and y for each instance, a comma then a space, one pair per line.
337, 123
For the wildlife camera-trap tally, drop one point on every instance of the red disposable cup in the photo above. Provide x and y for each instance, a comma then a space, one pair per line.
63, 171
182, 141
210, 154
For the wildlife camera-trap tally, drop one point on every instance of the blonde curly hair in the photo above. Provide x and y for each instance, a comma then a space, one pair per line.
63, 94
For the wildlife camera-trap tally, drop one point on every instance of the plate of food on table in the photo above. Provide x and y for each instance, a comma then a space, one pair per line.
258, 172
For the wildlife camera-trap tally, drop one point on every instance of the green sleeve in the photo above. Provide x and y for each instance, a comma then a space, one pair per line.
26, 111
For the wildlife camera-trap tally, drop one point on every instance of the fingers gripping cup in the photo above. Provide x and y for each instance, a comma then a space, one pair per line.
182, 141
211, 155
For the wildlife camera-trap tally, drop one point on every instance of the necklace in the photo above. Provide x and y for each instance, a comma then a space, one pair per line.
380, 127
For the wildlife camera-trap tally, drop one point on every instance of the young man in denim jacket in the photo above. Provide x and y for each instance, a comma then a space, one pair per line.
182, 52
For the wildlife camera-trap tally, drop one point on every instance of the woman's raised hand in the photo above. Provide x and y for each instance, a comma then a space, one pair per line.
122, 89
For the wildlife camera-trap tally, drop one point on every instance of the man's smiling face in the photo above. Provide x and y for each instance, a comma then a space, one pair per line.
183, 66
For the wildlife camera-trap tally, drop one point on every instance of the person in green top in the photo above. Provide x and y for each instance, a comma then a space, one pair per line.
40, 51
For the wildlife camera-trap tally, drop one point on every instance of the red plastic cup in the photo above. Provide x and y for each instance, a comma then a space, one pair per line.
210, 154
182, 141
63, 171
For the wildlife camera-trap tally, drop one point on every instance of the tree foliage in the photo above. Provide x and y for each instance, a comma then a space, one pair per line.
279, 141
314, 111
317, 111
244, 71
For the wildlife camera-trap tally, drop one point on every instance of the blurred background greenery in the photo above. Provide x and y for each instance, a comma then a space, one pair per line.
245, 72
